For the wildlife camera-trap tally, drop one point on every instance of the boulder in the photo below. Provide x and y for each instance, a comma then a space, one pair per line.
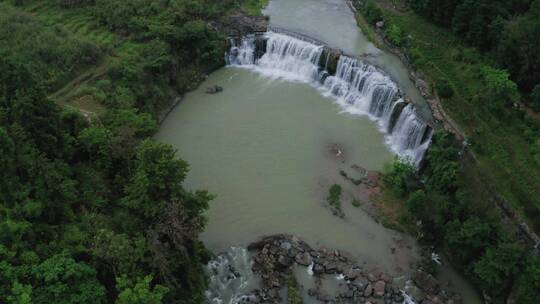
330, 267
239, 24
214, 89
426, 282
303, 259
378, 288
323, 297
379, 24
352, 273
285, 245
284, 261
318, 269
368, 291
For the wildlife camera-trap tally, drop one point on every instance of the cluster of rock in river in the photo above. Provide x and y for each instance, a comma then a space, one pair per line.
275, 256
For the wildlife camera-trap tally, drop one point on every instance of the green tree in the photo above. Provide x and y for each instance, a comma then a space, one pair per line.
140, 292
501, 91
528, 283
400, 176
95, 141
519, 48
120, 252
21, 294
535, 98
61, 279
499, 265
471, 237
157, 180
417, 202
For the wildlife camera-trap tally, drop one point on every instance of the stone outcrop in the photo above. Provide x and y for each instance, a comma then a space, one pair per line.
275, 256
239, 24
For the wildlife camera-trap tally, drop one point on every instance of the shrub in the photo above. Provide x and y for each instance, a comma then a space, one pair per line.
400, 177
501, 91
535, 98
444, 89
395, 35
372, 12
415, 57
334, 196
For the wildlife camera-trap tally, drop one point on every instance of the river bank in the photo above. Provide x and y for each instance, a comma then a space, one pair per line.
450, 62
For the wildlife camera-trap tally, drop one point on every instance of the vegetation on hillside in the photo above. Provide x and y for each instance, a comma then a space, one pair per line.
463, 223
482, 97
481, 58
91, 209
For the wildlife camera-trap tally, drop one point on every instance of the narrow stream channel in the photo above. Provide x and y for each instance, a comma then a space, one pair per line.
266, 147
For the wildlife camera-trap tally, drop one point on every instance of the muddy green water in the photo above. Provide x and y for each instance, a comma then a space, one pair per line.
263, 147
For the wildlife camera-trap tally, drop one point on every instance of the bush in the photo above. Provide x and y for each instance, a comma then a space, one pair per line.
372, 12
415, 57
334, 196
501, 91
395, 35
400, 177
535, 98
444, 89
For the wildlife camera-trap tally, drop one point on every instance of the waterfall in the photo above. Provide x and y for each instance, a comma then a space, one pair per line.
359, 88
285, 57
408, 137
242, 54
231, 277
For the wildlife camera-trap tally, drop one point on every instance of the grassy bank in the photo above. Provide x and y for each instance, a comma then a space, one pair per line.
454, 197
505, 145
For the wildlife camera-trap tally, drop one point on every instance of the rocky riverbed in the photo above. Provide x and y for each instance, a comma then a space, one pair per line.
275, 258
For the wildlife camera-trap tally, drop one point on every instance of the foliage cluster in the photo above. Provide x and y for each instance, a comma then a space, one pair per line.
469, 230
293, 291
334, 195
482, 99
509, 30
373, 14
91, 210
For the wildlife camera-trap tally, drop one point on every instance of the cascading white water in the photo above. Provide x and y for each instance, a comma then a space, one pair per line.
243, 54
231, 277
408, 135
359, 88
362, 89
285, 57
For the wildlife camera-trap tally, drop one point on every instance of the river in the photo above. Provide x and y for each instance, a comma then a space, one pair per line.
271, 145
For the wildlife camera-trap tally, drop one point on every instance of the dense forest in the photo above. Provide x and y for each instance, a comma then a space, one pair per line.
508, 30
91, 209
451, 215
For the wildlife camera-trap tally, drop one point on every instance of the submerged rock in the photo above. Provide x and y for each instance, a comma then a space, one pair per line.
276, 256
214, 89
